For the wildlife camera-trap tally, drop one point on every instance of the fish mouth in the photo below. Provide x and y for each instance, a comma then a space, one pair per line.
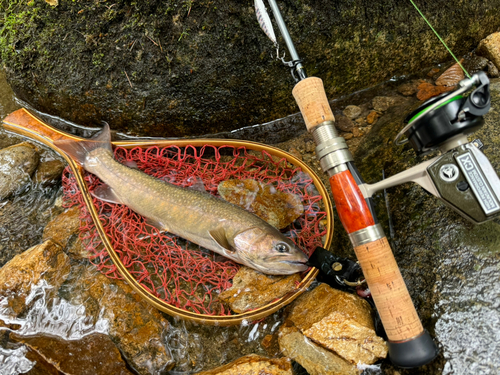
297, 263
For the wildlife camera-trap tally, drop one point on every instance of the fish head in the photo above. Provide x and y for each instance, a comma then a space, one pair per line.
269, 251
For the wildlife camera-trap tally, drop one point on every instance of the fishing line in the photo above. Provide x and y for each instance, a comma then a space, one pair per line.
441, 39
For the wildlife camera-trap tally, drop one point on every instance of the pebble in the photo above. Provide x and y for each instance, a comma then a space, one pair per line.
347, 136
372, 117
352, 111
344, 123
355, 132
383, 103
410, 88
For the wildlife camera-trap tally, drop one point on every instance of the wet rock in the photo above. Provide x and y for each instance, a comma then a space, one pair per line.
135, 327
475, 63
372, 117
493, 70
383, 103
46, 262
409, 88
314, 358
347, 136
252, 289
17, 164
63, 227
150, 68
489, 47
278, 208
343, 123
253, 365
49, 171
93, 354
340, 322
352, 111
427, 90
451, 76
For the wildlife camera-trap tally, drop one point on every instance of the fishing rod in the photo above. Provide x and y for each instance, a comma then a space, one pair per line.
461, 176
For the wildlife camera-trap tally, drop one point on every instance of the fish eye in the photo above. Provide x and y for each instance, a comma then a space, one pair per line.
281, 248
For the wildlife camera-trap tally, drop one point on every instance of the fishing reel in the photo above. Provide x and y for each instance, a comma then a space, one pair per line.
462, 176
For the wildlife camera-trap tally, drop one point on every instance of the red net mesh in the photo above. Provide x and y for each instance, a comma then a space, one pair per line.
171, 268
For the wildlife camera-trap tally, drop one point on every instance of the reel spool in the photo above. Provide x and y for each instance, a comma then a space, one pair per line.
447, 117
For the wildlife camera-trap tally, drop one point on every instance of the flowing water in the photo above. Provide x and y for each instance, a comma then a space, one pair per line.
457, 272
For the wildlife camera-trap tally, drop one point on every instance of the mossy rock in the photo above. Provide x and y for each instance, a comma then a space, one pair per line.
184, 67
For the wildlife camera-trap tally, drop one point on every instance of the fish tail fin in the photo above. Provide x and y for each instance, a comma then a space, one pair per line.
78, 150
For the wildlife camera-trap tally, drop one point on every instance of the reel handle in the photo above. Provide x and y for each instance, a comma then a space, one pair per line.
409, 344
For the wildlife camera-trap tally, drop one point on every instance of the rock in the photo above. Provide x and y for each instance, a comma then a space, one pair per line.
136, 328
253, 365
315, 359
93, 354
343, 123
409, 88
278, 208
352, 111
347, 136
372, 117
493, 70
489, 47
383, 103
252, 289
63, 227
17, 164
427, 90
49, 171
475, 63
356, 132
45, 262
340, 322
451, 76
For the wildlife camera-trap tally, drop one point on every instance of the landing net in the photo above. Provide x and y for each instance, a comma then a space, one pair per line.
171, 268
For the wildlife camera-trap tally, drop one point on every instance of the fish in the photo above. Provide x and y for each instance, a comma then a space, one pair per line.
196, 216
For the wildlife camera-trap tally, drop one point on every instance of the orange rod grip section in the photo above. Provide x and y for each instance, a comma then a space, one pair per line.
311, 97
350, 203
389, 292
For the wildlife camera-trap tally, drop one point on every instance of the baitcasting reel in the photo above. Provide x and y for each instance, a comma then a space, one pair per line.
462, 176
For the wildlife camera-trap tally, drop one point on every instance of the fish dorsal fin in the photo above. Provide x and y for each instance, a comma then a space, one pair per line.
105, 193
219, 236
78, 149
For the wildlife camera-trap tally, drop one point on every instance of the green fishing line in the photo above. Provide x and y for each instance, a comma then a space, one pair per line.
442, 41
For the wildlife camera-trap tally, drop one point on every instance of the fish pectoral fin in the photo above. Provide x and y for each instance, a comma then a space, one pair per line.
155, 223
105, 193
219, 236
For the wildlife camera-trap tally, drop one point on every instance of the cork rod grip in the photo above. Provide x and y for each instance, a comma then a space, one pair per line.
394, 304
311, 98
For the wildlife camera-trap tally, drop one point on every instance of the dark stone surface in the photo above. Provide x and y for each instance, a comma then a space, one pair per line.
183, 67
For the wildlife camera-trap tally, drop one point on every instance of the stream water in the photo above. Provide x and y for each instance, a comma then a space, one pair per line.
451, 266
